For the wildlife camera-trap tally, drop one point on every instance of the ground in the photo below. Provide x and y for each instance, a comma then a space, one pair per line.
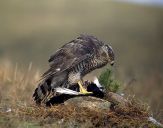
17, 108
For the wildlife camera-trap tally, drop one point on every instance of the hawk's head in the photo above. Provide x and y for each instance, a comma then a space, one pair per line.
110, 54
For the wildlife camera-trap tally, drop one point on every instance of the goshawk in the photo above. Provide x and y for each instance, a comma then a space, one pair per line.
70, 63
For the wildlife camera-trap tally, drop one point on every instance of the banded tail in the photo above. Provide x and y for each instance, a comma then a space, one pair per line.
46, 88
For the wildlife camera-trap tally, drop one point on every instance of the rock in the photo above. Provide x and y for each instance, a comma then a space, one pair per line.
154, 121
90, 102
117, 99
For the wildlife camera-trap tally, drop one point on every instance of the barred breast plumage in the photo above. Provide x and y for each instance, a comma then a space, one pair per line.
72, 62
87, 66
84, 68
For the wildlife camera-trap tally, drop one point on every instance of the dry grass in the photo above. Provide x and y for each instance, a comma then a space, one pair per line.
18, 110
63, 115
17, 84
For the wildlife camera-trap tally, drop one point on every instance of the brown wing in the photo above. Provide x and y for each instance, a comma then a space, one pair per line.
73, 53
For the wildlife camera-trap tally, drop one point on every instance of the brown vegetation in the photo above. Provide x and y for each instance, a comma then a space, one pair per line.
18, 110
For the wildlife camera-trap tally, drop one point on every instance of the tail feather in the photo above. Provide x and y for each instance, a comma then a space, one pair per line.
46, 88
42, 91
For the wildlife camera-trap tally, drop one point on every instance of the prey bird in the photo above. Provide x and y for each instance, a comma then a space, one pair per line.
70, 63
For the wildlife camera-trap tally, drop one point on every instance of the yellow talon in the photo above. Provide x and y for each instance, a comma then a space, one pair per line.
82, 89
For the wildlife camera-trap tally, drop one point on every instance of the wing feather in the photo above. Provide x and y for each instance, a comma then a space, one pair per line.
72, 53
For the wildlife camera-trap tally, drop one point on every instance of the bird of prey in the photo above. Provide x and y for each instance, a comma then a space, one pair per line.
70, 63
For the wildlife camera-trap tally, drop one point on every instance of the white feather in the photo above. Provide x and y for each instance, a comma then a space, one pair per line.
66, 91
96, 81
58, 69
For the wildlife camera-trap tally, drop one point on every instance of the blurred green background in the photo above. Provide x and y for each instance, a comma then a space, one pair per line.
30, 31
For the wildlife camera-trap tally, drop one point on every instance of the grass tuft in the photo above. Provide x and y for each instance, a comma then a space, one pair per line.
106, 79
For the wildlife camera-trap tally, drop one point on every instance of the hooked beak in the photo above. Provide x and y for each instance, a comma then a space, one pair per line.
112, 63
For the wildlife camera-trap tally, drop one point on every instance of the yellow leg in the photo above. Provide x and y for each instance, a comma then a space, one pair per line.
82, 89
